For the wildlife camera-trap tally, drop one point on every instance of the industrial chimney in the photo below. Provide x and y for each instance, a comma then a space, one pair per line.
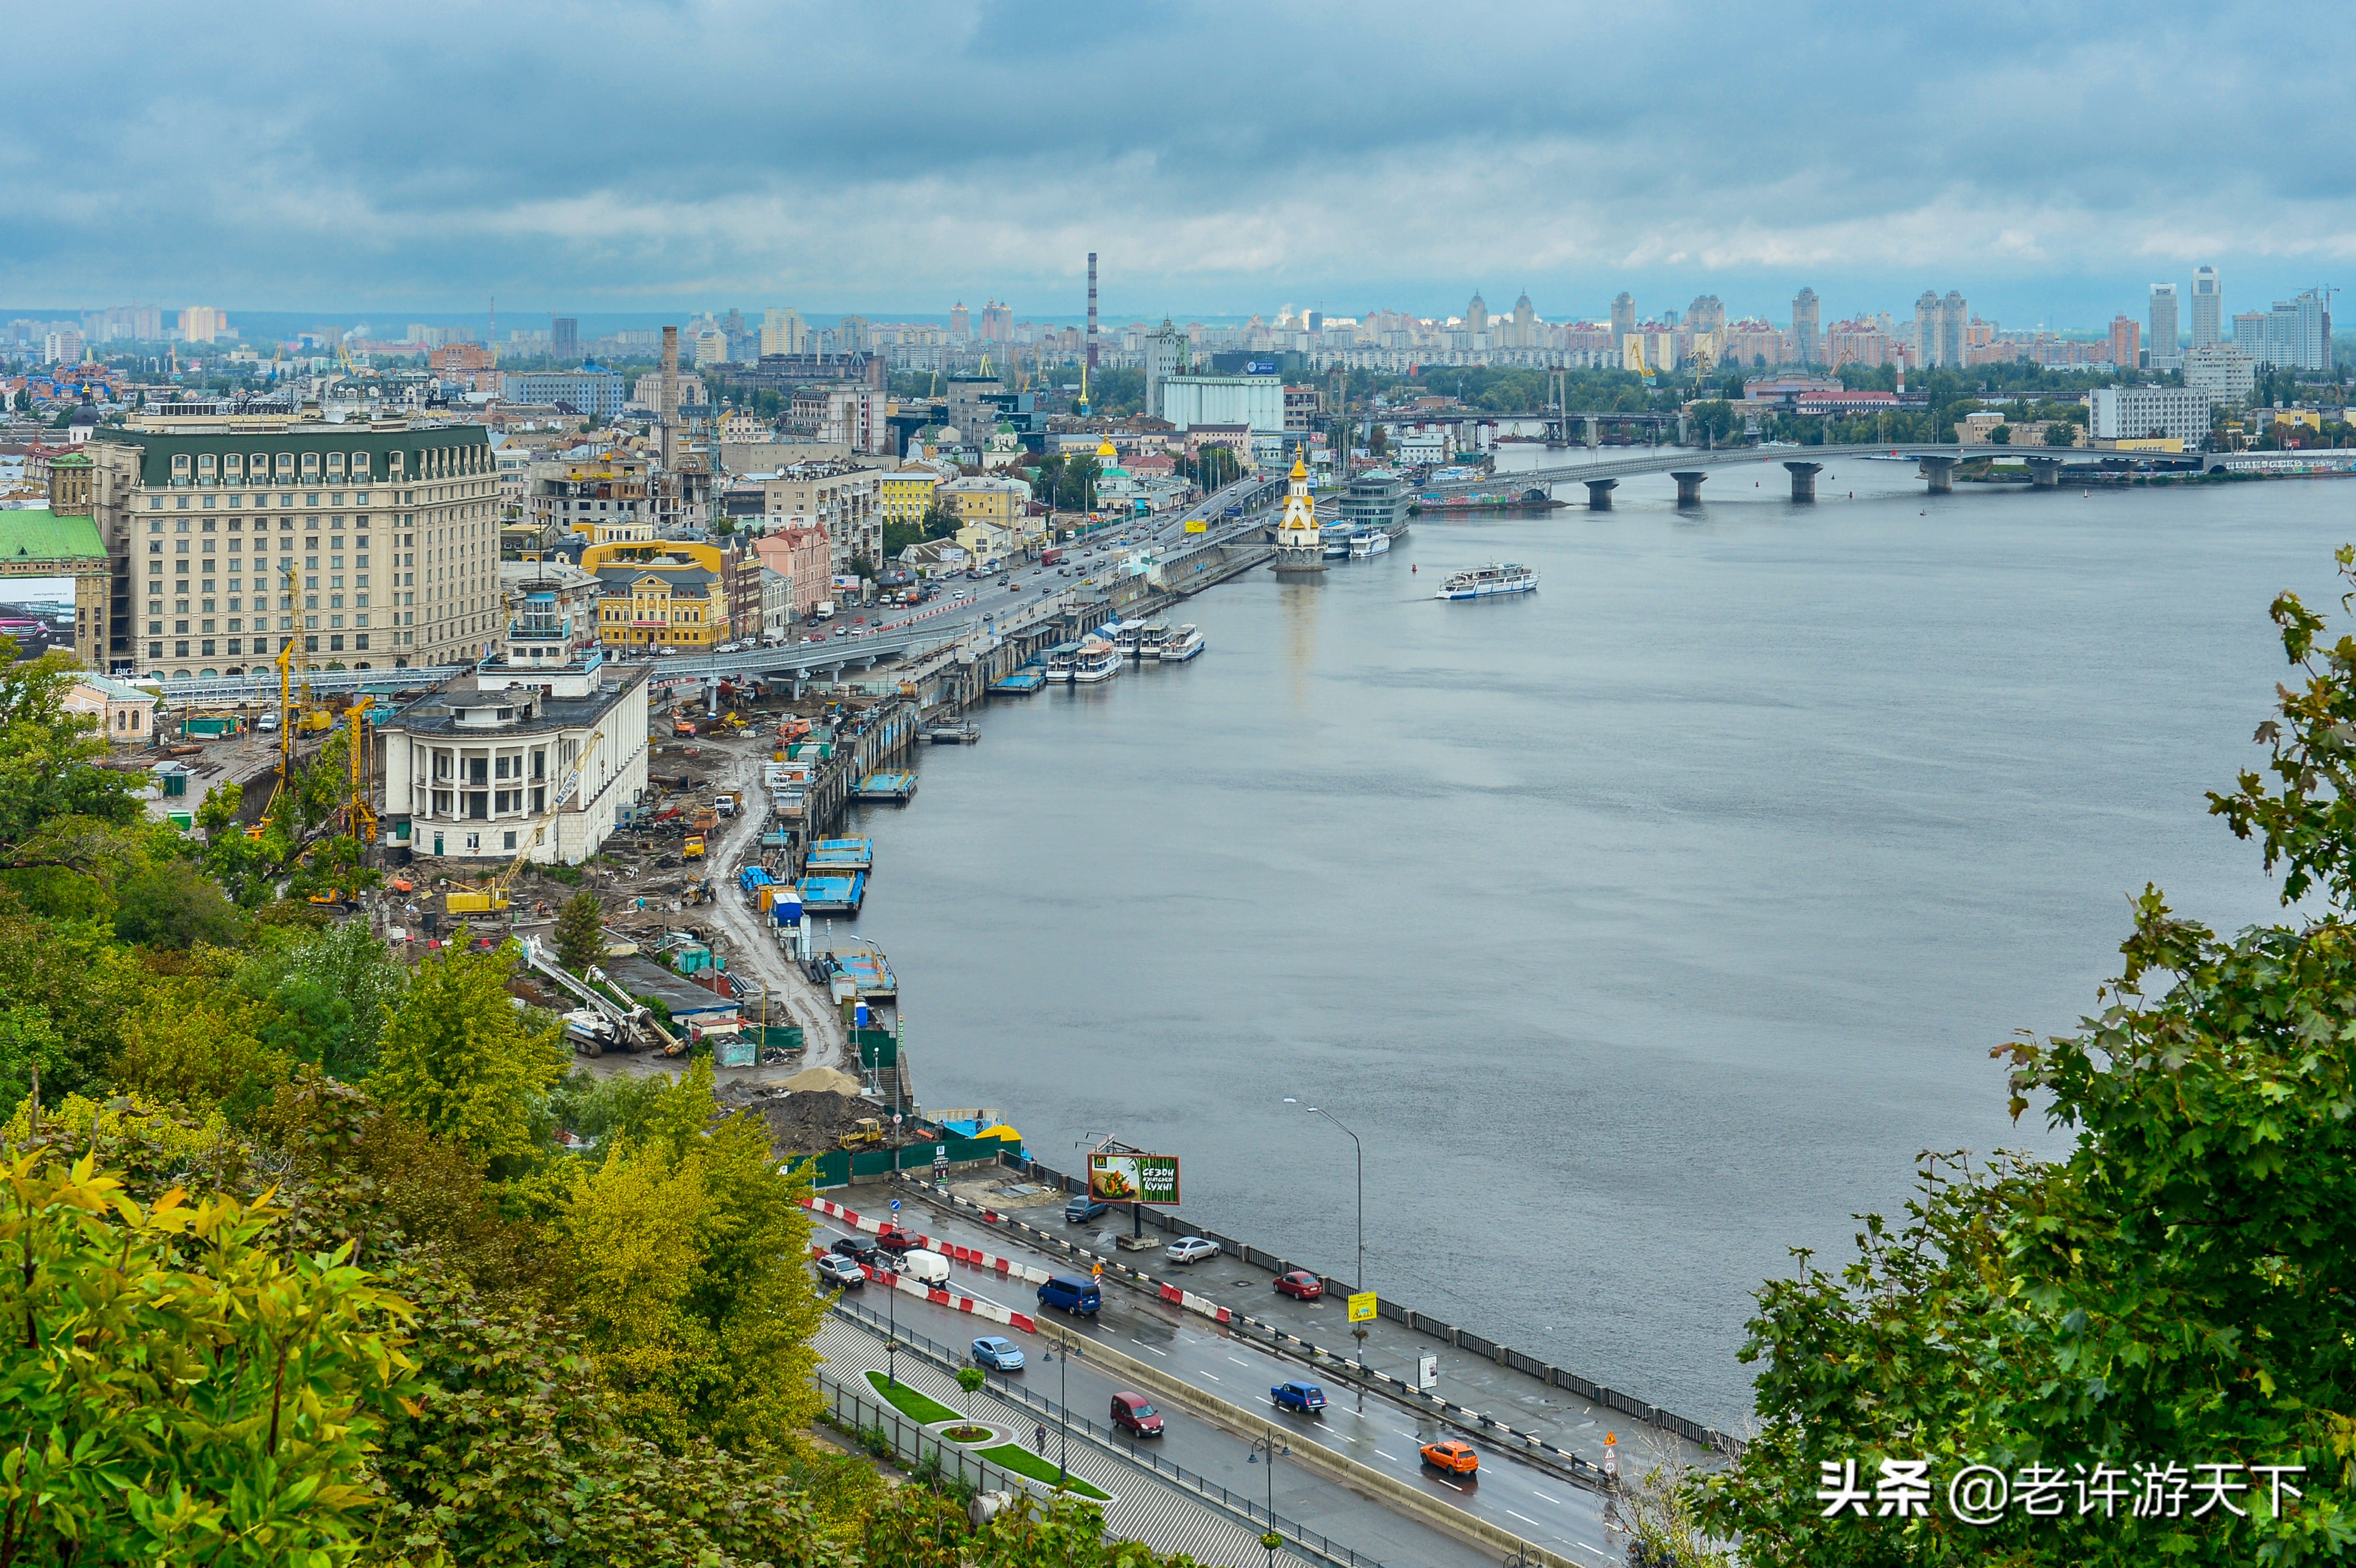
669, 410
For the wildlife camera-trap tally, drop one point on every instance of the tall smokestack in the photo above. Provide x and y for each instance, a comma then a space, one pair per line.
1092, 311
670, 393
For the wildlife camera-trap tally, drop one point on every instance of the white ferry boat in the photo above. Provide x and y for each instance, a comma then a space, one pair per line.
1126, 636
1151, 638
1481, 582
1095, 660
1182, 644
1373, 543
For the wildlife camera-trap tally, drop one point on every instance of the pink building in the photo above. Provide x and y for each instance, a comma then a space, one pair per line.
801, 553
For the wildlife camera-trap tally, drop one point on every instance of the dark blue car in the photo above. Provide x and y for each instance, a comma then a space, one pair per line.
1306, 1398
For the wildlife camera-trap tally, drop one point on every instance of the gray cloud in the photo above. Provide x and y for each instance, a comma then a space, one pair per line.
2048, 160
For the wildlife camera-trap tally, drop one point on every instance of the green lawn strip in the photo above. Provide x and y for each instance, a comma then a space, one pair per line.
1013, 1457
910, 1403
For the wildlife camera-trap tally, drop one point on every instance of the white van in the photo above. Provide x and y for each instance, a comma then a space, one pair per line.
923, 1264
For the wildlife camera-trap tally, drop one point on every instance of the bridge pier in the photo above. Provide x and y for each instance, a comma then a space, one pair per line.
1941, 472
712, 694
1598, 491
1594, 433
1688, 486
2044, 473
1803, 480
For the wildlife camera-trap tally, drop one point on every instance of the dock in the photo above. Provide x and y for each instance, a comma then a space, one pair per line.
833, 895
893, 787
1018, 683
833, 857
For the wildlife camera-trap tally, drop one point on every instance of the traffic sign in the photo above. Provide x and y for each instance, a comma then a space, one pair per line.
1362, 1307
1097, 1273
895, 1205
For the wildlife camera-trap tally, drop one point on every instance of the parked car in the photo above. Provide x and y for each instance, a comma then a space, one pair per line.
1302, 1285
1081, 1207
839, 1272
858, 1248
1456, 1459
1191, 1249
838, 631
1074, 1294
998, 1355
925, 1264
1133, 1416
894, 1239
1306, 1398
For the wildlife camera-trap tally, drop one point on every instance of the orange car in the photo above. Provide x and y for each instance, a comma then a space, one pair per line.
1456, 1459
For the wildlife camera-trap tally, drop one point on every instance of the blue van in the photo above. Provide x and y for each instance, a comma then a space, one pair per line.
1073, 1292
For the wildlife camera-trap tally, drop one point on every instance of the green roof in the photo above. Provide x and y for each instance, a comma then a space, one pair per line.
159, 447
39, 534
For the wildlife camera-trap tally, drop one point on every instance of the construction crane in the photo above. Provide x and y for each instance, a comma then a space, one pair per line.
360, 817
494, 896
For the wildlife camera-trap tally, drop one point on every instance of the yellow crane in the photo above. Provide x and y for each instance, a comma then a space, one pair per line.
493, 894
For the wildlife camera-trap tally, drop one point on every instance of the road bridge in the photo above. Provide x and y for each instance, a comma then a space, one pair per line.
1935, 463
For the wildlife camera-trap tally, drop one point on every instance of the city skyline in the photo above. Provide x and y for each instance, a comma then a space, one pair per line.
1245, 182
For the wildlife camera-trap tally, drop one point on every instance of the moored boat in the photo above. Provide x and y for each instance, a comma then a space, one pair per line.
1373, 543
1093, 660
1182, 644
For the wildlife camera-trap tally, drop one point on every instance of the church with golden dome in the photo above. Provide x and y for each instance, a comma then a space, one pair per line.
1300, 549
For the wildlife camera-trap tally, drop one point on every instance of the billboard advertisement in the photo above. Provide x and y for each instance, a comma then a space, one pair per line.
1133, 1177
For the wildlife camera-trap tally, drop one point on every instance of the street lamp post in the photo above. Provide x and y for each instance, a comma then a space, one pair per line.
1357, 1331
1268, 1448
891, 1338
1070, 1352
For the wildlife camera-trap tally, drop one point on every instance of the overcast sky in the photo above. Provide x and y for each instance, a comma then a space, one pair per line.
2051, 161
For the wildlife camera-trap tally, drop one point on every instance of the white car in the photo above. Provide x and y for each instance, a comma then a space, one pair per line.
1191, 1249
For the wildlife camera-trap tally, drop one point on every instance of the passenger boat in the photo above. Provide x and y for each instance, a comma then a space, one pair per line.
1335, 539
1182, 645
1372, 543
1481, 582
1060, 660
1150, 640
1095, 660
1125, 636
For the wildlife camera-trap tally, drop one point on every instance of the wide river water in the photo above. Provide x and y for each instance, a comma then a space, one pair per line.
1644, 927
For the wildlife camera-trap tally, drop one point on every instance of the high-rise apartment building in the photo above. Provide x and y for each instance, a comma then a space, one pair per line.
1942, 327
2208, 309
379, 546
1805, 314
1623, 319
2165, 353
997, 322
201, 324
784, 332
2126, 348
2297, 334
2140, 413
961, 320
564, 337
1705, 314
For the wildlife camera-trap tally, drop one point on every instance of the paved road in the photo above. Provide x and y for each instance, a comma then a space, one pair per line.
1303, 1496
1534, 1503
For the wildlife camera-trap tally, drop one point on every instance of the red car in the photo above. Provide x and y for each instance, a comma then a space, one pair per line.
1133, 1416
895, 1239
1301, 1285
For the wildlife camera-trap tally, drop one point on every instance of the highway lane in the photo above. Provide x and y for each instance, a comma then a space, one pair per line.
1508, 1493
1086, 1390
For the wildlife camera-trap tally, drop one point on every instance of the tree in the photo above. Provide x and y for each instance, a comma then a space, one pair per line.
332, 989
580, 932
458, 1058
183, 1388
57, 808
2060, 432
683, 1248
2172, 1292
2000, 436
970, 1379
173, 904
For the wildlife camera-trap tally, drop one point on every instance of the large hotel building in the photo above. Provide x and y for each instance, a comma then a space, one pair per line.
377, 544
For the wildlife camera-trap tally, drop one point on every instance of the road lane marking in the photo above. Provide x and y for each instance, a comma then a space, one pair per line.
1526, 1520
1213, 1376
1392, 1457
1164, 1354
1543, 1497
1454, 1486
1246, 1365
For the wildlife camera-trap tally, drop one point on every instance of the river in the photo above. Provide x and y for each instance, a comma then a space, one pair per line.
1644, 927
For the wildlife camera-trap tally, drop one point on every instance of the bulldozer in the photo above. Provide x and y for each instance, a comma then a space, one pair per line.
865, 1133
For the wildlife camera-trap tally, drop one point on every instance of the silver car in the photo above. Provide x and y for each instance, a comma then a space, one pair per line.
1191, 1249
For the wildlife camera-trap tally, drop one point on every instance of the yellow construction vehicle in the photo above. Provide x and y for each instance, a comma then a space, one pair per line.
693, 848
865, 1133
492, 896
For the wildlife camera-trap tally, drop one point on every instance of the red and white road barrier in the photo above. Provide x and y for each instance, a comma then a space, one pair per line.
990, 1310
972, 1257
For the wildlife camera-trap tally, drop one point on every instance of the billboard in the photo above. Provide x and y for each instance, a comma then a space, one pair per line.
39, 612
1133, 1177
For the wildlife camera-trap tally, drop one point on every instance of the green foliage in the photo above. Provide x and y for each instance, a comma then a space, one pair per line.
599, 1107
970, 1379
184, 1388
58, 809
462, 1061
580, 932
192, 1040
173, 904
2175, 1289
1066, 481
67, 984
683, 1251
333, 988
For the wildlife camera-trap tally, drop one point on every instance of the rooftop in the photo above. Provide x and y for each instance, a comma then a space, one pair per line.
472, 704
36, 533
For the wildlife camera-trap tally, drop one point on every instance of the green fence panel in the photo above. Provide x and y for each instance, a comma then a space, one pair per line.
833, 1169
919, 1155
873, 1161
878, 1050
779, 1036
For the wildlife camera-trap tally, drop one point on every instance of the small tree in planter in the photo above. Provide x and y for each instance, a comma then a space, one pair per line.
970, 1379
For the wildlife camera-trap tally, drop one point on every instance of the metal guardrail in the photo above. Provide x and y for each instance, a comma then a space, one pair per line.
1255, 1514
914, 1446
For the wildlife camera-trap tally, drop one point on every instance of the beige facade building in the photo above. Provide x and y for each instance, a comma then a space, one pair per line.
843, 499
377, 544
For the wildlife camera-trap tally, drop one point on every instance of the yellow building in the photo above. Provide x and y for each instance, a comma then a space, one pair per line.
1005, 502
672, 595
988, 544
907, 493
